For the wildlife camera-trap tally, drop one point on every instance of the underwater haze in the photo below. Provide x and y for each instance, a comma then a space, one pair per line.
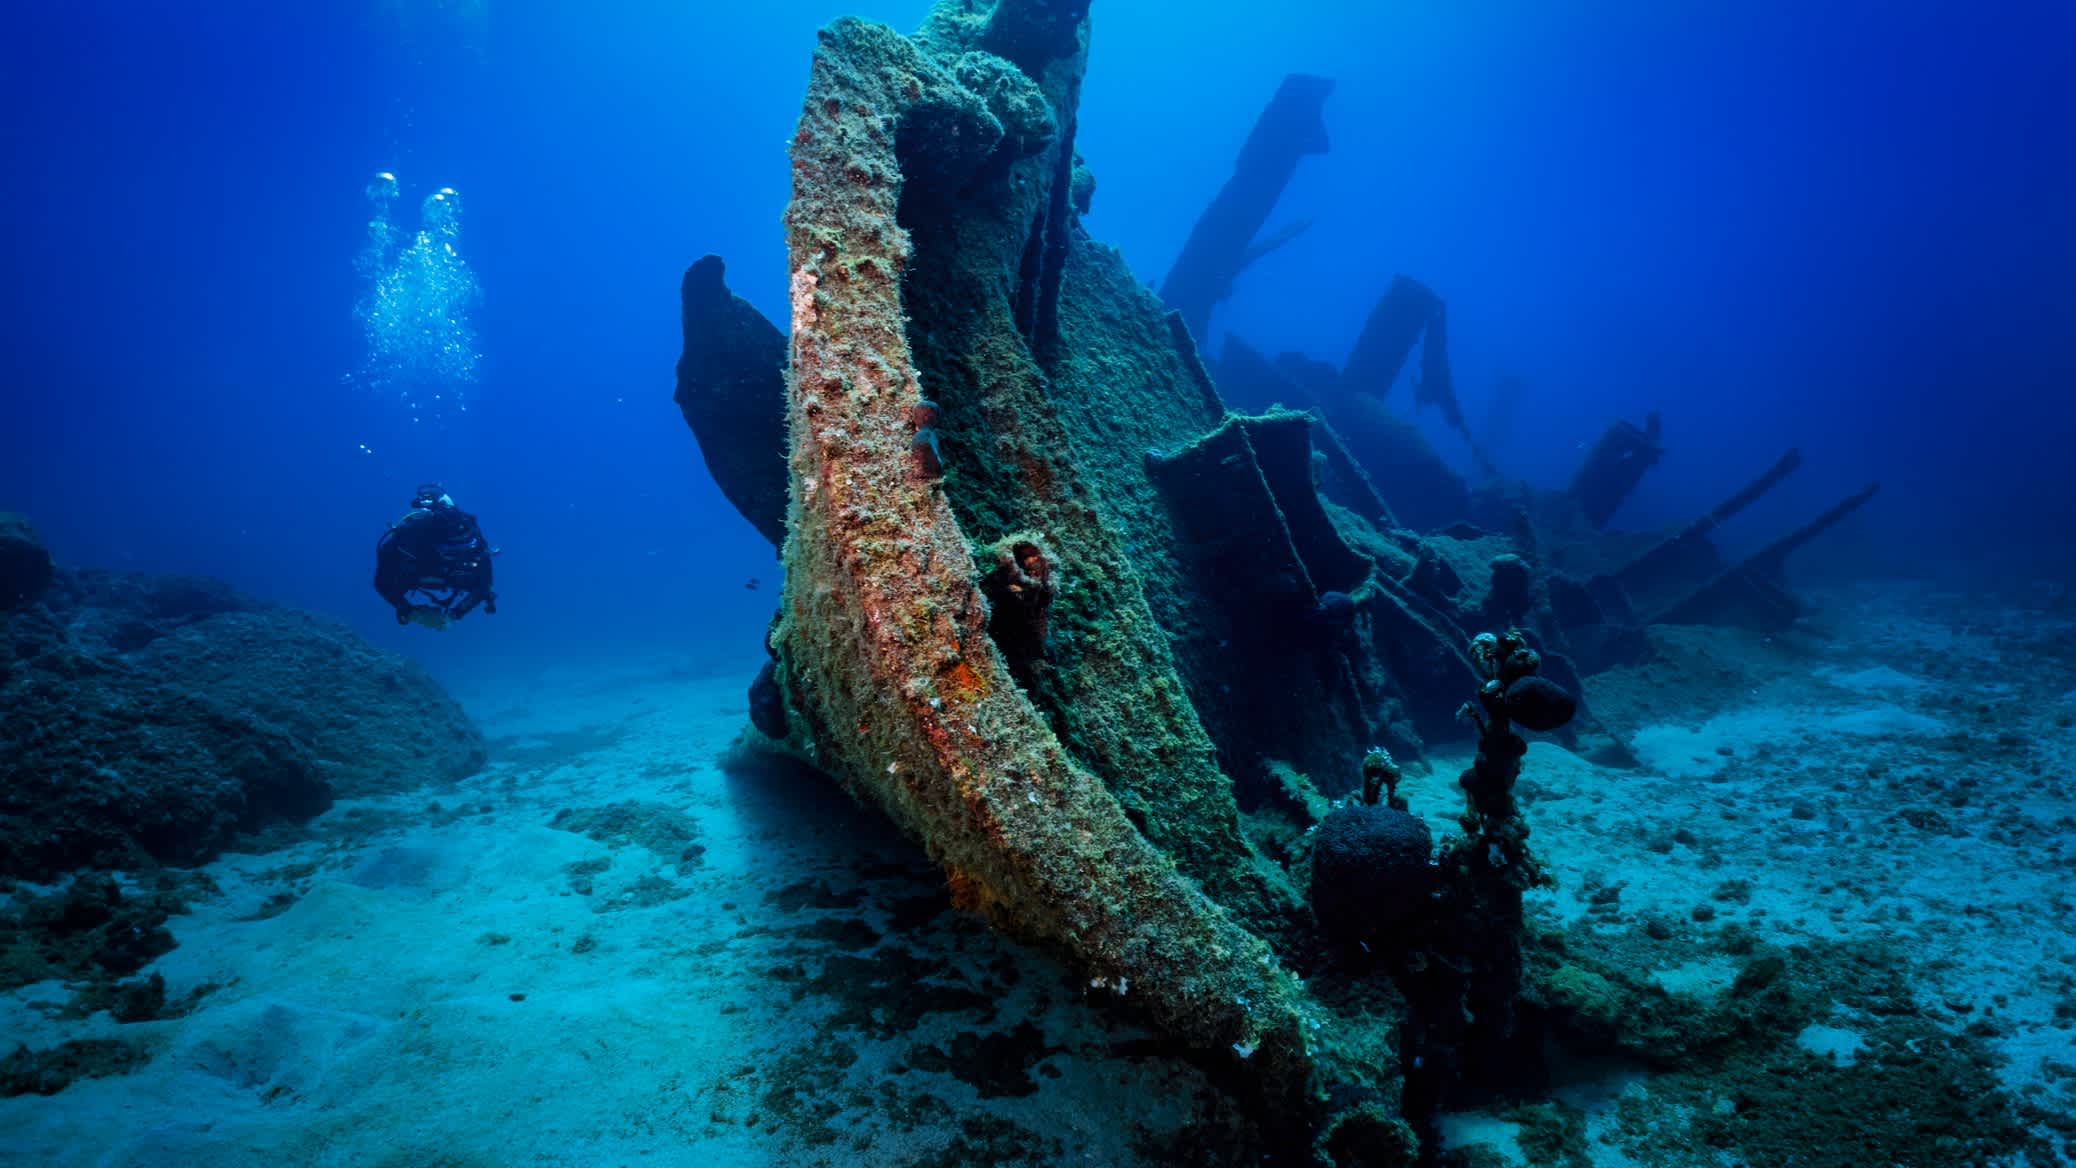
271, 266
1843, 227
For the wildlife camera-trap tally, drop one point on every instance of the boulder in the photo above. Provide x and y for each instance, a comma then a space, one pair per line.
149, 719
107, 767
374, 722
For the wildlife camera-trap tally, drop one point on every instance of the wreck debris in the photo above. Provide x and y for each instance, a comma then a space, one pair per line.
1674, 566
1464, 1020
1372, 451
1245, 496
1072, 624
1754, 594
1682, 579
1614, 466
1343, 480
1409, 312
1224, 241
1437, 386
1020, 591
1382, 468
731, 389
903, 693
1389, 334
1421, 489
1186, 348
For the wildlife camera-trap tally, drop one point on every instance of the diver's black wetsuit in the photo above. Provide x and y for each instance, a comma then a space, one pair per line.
439, 552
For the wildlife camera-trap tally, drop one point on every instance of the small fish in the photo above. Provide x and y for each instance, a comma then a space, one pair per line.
752, 584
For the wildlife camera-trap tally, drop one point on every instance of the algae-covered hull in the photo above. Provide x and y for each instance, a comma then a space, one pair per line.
1100, 644
887, 656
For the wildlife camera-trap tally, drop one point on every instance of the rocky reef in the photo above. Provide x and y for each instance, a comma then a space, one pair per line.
153, 720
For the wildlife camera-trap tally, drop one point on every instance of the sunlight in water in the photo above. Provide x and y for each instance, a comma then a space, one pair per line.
420, 344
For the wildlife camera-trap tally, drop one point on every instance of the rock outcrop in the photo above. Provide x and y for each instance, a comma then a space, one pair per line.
149, 719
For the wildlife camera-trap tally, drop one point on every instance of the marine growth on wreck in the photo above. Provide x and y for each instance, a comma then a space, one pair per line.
1113, 649
1495, 595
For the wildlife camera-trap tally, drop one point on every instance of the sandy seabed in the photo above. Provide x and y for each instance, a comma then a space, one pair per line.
605, 950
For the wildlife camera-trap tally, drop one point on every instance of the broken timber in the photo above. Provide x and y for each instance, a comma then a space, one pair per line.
1223, 242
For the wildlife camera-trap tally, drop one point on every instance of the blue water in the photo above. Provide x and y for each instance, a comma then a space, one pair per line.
1845, 227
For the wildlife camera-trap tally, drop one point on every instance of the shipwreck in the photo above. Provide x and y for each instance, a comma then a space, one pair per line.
1111, 627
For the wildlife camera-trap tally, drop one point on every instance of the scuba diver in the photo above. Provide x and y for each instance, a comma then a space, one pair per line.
437, 552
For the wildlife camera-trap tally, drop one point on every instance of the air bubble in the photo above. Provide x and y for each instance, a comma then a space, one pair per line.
420, 344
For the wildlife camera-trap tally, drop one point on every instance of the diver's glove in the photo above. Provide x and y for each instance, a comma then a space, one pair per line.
403, 614
490, 604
